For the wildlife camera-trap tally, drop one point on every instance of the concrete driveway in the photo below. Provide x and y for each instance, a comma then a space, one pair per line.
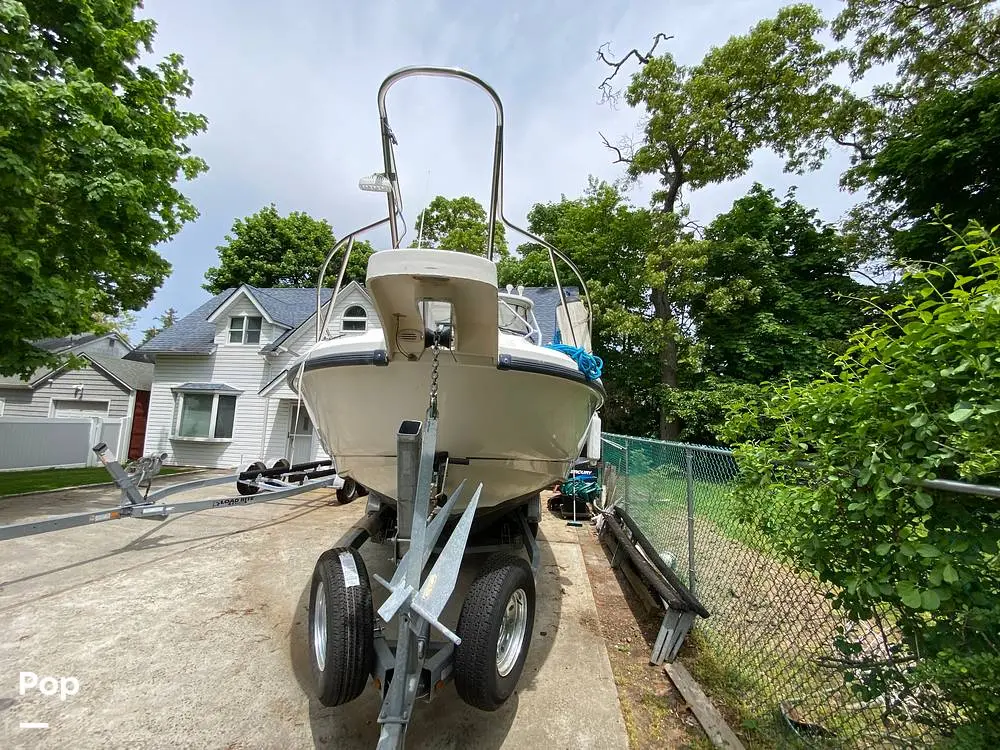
191, 632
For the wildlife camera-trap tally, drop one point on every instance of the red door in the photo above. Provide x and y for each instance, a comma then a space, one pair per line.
138, 436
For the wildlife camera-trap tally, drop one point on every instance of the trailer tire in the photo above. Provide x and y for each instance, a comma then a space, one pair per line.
348, 493
246, 488
281, 463
341, 626
495, 627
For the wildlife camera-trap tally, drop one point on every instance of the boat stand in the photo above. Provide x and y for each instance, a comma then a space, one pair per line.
260, 485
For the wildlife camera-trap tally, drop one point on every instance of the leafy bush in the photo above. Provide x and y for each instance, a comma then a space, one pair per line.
702, 410
915, 397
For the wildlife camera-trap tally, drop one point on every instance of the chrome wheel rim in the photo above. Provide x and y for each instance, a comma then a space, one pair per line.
512, 630
319, 627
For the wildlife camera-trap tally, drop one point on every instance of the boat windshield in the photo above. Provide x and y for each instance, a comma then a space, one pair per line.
516, 317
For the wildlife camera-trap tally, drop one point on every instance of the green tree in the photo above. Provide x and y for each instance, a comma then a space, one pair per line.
934, 44
608, 239
831, 468
167, 319
92, 146
458, 224
772, 295
769, 295
267, 249
768, 88
943, 155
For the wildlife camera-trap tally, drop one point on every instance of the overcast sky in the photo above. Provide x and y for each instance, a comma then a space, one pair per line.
289, 90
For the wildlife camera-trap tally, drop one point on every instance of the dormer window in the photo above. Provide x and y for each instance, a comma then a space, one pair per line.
244, 329
355, 319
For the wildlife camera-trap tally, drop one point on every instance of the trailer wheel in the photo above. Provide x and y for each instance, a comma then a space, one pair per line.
495, 627
348, 493
246, 488
281, 463
341, 626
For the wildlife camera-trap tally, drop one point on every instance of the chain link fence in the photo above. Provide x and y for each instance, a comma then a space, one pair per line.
773, 650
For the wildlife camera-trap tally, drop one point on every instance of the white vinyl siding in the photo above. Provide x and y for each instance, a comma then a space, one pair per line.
106, 346
239, 367
260, 426
63, 386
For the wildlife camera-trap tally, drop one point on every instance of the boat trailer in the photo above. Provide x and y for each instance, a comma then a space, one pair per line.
349, 649
484, 655
257, 484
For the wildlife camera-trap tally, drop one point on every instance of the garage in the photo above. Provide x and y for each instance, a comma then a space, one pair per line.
67, 408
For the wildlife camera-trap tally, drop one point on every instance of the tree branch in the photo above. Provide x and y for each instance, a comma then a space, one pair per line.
675, 176
608, 94
622, 159
863, 153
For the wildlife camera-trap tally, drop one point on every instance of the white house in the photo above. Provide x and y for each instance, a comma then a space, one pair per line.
219, 397
60, 391
106, 386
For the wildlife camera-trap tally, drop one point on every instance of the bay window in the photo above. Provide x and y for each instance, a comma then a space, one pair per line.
204, 411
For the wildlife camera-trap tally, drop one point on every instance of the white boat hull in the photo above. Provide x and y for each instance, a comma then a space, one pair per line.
521, 426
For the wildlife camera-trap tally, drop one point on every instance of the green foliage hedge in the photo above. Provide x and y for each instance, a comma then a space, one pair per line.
830, 469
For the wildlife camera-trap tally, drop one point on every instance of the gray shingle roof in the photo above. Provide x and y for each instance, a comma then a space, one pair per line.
195, 334
546, 300
137, 375
13, 381
207, 387
63, 343
290, 307
192, 333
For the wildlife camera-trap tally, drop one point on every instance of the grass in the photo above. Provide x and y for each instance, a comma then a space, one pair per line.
747, 669
742, 697
658, 500
34, 480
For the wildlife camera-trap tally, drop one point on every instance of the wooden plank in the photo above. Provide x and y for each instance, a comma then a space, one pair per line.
704, 710
642, 566
649, 604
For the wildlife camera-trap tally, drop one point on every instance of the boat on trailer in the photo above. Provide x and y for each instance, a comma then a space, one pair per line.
515, 413
453, 417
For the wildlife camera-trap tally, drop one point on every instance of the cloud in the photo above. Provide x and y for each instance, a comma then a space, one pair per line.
289, 90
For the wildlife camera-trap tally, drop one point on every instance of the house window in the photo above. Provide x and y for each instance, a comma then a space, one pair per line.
244, 329
355, 319
205, 415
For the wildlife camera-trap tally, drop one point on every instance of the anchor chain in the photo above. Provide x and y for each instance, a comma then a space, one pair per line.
436, 348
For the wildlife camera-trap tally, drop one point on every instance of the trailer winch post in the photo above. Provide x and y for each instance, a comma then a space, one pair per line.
418, 600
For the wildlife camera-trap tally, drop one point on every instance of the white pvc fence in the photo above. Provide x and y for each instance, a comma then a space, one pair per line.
66, 442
